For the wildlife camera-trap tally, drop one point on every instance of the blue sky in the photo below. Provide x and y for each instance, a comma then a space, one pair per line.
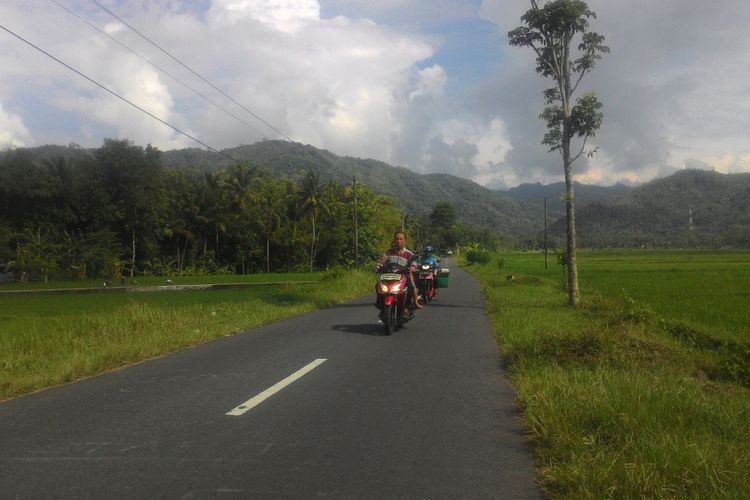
430, 85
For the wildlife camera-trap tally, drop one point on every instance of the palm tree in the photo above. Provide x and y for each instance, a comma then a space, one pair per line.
271, 198
311, 202
212, 210
237, 182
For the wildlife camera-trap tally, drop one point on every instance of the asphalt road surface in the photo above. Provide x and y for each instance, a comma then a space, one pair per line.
319, 406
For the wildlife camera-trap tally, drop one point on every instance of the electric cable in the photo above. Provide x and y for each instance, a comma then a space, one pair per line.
118, 95
105, 9
207, 99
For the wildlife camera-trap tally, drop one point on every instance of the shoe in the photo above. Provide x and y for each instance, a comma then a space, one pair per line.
418, 306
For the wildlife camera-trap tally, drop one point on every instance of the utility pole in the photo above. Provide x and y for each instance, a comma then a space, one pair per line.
356, 228
545, 232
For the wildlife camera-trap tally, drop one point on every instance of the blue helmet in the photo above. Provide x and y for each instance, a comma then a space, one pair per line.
428, 249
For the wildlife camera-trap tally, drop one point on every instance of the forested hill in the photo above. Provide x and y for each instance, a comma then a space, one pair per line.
416, 194
585, 194
658, 213
688, 208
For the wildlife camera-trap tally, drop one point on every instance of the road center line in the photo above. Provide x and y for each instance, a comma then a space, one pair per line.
256, 400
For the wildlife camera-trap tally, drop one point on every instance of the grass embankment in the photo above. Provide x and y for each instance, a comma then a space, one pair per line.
643, 391
48, 340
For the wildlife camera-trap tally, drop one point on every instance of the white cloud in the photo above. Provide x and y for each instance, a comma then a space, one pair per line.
283, 15
674, 88
13, 133
381, 80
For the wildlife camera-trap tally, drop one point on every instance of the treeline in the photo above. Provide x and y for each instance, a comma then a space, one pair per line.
118, 211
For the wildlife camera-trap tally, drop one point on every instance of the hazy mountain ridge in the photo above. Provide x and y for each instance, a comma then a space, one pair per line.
688, 208
417, 194
585, 194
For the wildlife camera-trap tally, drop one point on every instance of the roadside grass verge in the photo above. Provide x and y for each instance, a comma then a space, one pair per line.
618, 405
49, 340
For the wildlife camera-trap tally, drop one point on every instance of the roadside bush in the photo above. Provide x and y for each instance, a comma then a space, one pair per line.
478, 256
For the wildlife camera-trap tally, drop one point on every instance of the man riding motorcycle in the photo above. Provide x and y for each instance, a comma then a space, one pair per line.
428, 270
428, 258
403, 257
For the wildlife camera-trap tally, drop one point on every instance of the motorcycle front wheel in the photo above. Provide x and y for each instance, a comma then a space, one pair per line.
389, 318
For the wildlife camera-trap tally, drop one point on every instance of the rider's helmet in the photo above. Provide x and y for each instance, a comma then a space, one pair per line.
428, 249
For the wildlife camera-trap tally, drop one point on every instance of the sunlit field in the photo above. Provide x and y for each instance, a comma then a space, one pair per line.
51, 339
707, 290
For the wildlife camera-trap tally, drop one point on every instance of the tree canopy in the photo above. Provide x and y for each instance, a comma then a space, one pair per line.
549, 31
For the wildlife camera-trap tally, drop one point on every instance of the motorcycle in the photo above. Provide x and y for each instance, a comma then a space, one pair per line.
392, 297
426, 284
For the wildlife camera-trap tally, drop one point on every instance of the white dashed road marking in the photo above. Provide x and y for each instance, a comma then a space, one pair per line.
256, 400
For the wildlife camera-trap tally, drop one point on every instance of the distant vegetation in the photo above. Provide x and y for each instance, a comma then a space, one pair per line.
692, 208
120, 211
70, 212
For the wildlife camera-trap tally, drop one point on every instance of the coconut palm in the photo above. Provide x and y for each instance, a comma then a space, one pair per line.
271, 198
311, 198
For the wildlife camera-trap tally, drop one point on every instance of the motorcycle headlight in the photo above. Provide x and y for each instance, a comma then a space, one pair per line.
396, 287
425, 267
383, 288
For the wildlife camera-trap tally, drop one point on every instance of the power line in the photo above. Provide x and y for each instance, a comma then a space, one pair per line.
160, 69
117, 95
105, 9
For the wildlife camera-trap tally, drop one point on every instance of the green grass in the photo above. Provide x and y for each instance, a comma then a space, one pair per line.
48, 340
635, 394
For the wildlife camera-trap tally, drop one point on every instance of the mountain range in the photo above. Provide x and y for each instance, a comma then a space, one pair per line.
688, 208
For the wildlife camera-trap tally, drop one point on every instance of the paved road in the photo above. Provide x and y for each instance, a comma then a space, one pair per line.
425, 413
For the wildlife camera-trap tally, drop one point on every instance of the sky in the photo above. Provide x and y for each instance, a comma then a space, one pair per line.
430, 85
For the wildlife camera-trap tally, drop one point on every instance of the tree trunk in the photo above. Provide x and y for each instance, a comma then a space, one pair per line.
312, 244
574, 296
184, 253
205, 249
132, 254
177, 247
268, 253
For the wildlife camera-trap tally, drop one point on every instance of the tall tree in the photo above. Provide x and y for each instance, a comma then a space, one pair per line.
311, 200
272, 197
131, 178
549, 31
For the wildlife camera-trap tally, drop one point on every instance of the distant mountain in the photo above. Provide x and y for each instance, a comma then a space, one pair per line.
688, 208
416, 194
584, 194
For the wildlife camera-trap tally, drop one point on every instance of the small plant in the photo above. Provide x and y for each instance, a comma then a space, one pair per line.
636, 312
477, 254
561, 257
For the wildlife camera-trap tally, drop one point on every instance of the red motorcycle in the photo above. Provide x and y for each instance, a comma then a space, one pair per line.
392, 297
426, 284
